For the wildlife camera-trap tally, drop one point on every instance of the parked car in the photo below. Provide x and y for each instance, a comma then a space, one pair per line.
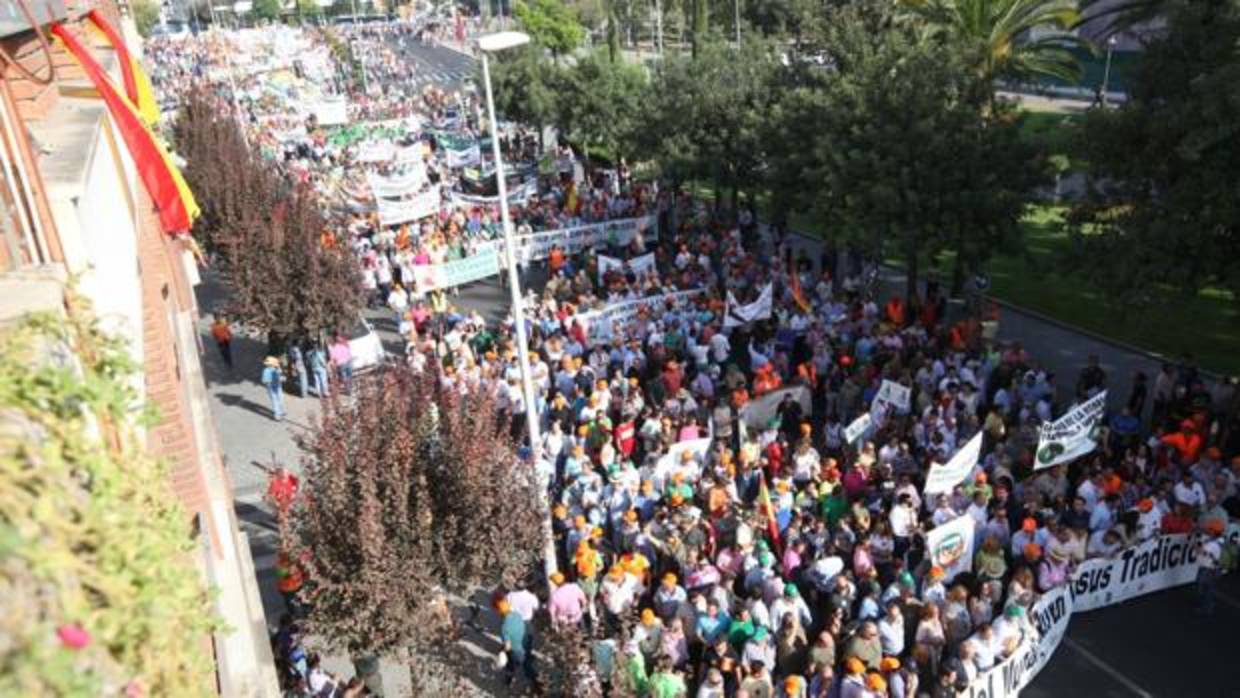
365, 346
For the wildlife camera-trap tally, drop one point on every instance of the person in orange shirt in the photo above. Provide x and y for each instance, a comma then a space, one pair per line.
555, 260
223, 339
895, 311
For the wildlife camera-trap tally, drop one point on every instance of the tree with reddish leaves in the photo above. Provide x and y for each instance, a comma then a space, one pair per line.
411, 496
287, 274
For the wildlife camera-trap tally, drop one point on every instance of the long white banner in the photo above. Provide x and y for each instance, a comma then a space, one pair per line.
398, 185
536, 246
516, 197
1154, 565
433, 277
395, 212
607, 321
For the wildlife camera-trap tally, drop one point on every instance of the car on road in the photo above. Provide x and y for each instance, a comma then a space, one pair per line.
365, 346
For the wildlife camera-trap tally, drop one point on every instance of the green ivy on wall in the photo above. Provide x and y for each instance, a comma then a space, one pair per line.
99, 592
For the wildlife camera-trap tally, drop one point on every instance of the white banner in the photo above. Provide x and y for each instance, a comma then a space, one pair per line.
399, 185
760, 309
1072, 435
942, 478
376, 151
853, 431
516, 197
759, 412
1046, 629
1148, 567
331, 111
395, 212
433, 277
410, 155
463, 158
639, 265
950, 546
536, 246
895, 394
610, 320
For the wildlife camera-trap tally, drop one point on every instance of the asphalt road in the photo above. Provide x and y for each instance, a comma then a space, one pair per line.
437, 65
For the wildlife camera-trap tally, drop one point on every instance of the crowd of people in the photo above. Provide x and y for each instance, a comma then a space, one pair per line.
713, 541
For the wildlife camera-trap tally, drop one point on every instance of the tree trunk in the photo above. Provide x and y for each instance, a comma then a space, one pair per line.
613, 34
701, 19
912, 261
958, 271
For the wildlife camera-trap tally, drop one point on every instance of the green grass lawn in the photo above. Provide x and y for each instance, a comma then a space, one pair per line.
1207, 325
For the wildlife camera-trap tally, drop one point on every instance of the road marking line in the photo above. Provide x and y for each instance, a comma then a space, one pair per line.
1107, 669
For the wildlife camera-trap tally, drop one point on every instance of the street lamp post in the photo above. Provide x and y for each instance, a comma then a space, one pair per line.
1106, 72
494, 43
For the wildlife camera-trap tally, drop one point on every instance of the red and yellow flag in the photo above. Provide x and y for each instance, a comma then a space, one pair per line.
794, 283
137, 84
768, 511
173, 199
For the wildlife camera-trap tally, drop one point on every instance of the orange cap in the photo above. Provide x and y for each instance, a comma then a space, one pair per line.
1029, 525
557, 578
852, 665
647, 616
876, 682
937, 572
1033, 551
1145, 505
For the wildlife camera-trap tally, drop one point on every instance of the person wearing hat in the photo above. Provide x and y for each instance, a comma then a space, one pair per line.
793, 686
513, 635
853, 685
759, 649
669, 596
1209, 565
567, 603
649, 632
619, 592
273, 380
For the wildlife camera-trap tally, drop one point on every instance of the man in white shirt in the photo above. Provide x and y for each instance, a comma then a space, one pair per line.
1189, 492
524, 603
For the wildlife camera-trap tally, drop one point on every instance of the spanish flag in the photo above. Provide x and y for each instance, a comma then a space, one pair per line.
137, 84
173, 199
794, 284
768, 512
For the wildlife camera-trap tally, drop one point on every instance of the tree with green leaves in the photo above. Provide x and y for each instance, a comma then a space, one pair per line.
706, 115
528, 87
1164, 207
551, 24
145, 15
1009, 39
905, 162
602, 105
266, 9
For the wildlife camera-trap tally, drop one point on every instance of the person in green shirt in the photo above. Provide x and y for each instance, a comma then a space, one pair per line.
635, 670
835, 507
666, 683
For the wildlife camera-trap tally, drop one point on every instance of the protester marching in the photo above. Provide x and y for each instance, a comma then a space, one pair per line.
764, 479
